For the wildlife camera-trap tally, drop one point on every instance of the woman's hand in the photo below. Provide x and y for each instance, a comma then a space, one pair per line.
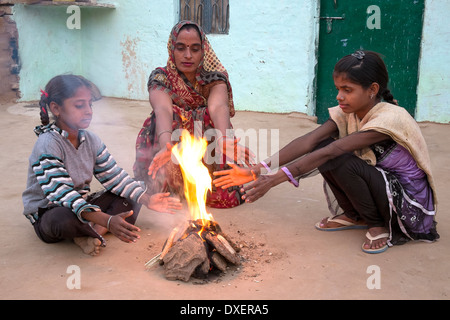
163, 202
235, 151
161, 158
121, 229
235, 176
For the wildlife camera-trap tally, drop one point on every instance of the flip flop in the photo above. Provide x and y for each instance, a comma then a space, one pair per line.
371, 238
346, 225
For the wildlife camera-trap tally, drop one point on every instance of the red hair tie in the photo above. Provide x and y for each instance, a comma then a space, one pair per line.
44, 93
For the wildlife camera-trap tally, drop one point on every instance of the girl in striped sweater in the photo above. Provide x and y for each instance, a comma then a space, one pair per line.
62, 164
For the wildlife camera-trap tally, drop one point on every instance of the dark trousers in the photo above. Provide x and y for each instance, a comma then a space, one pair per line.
61, 223
359, 188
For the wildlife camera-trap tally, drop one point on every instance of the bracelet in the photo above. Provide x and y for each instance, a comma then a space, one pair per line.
224, 137
107, 224
266, 166
291, 178
165, 131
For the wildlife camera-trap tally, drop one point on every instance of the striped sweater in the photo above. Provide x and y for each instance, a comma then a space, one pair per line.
60, 175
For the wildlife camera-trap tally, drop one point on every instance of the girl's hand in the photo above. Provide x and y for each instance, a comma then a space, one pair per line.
234, 177
161, 158
121, 229
163, 202
258, 188
235, 151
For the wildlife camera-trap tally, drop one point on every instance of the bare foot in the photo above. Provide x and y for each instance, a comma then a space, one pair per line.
379, 243
100, 229
89, 245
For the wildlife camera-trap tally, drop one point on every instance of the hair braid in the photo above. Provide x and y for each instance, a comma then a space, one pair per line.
388, 97
45, 119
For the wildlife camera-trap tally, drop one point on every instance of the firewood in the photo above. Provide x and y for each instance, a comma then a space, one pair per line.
202, 270
182, 230
173, 237
195, 248
226, 244
219, 261
230, 241
214, 226
168, 243
223, 247
184, 257
153, 261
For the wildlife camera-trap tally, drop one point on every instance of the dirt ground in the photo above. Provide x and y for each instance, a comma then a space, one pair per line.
283, 256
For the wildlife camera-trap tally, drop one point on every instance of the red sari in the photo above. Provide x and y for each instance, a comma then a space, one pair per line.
189, 105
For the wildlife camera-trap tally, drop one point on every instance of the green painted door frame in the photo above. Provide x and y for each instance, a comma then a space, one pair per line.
392, 28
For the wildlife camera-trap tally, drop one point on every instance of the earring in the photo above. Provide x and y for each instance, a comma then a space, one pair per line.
371, 96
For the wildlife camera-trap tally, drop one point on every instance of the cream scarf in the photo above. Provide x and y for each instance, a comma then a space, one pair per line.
393, 121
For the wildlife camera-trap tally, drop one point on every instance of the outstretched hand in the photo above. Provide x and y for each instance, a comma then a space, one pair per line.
236, 152
255, 190
238, 176
121, 229
161, 158
163, 202
234, 177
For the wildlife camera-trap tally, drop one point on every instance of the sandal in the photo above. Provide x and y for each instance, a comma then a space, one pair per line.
371, 238
346, 225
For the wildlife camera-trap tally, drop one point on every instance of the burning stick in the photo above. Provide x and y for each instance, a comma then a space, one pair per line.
166, 248
169, 243
153, 260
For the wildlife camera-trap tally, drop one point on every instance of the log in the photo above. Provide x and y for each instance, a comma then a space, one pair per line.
184, 257
222, 246
218, 261
202, 270
230, 241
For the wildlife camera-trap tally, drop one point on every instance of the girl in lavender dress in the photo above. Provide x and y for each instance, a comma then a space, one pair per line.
372, 156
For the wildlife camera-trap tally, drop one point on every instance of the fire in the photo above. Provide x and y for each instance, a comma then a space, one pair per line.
197, 181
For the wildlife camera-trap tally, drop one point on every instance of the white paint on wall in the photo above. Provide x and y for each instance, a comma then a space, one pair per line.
433, 91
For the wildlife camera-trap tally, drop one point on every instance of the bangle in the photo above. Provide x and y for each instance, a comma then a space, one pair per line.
291, 178
223, 137
165, 131
107, 224
266, 166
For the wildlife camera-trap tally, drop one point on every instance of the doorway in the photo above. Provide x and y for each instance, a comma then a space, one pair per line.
392, 28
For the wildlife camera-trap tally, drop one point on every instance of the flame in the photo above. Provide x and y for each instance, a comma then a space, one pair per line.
197, 181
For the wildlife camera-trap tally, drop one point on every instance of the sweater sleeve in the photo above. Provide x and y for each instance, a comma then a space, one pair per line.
58, 186
114, 178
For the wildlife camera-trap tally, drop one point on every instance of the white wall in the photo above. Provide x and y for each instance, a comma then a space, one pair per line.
269, 51
433, 91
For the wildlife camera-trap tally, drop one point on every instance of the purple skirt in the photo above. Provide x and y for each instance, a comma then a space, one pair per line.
409, 193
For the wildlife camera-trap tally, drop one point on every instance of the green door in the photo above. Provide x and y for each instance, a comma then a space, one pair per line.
392, 28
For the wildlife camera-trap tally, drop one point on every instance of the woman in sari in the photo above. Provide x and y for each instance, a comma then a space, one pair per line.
193, 88
371, 155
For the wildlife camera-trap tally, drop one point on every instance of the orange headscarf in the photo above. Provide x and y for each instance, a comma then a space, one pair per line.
183, 93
